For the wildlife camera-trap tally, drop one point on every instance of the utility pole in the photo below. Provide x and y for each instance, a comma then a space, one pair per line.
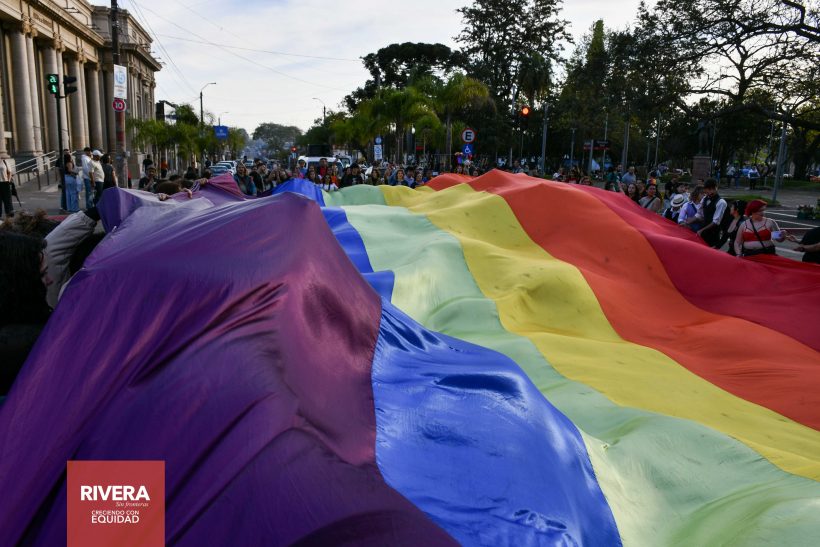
657, 140
781, 160
572, 150
120, 166
544, 139
625, 152
53, 83
603, 153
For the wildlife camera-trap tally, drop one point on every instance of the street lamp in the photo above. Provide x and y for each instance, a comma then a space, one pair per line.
324, 109
219, 118
201, 116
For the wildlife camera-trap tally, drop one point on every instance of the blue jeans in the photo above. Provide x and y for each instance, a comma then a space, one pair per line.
72, 194
89, 194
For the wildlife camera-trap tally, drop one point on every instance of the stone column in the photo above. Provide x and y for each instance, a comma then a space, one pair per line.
3, 151
79, 138
21, 90
83, 92
50, 67
92, 81
34, 80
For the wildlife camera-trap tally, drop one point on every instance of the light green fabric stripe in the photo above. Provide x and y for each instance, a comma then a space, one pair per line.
668, 481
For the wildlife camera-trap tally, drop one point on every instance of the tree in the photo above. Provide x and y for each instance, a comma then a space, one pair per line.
731, 48
397, 65
237, 140
456, 96
278, 138
499, 35
402, 107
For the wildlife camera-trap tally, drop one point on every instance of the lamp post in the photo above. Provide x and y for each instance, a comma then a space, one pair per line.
201, 110
202, 116
219, 118
324, 108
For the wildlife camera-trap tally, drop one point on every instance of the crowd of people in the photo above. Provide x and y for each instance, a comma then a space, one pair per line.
38, 256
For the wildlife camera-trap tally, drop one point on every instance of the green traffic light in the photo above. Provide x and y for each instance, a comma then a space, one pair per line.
53, 83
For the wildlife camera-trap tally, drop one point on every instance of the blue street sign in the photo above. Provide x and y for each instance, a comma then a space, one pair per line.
467, 150
378, 140
221, 132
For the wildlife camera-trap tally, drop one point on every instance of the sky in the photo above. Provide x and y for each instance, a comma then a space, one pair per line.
279, 60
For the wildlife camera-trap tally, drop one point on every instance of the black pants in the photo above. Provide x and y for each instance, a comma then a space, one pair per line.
5, 198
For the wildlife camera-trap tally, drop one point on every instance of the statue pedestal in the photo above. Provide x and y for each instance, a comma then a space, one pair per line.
701, 168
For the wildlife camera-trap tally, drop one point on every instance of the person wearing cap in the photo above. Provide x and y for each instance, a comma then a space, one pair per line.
354, 177
673, 211
757, 233
97, 174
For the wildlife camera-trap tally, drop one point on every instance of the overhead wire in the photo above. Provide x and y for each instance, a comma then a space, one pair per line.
226, 46
183, 78
246, 59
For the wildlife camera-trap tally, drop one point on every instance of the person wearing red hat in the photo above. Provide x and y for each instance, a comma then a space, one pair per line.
757, 234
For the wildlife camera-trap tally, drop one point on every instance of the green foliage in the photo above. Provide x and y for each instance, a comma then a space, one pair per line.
278, 138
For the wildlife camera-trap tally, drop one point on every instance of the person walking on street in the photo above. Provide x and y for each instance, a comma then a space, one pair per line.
73, 186
6, 189
97, 174
85, 169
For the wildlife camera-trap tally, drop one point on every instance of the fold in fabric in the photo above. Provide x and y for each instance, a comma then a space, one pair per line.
205, 338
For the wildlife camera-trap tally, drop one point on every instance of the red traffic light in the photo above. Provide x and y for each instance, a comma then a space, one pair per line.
293, 149
525, 111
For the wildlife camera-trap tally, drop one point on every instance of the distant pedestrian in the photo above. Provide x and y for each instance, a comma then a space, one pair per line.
97, 174
6, 182
85, 170
73, 186
146, 163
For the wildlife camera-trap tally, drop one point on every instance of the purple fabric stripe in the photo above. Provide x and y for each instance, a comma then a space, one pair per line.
216, 339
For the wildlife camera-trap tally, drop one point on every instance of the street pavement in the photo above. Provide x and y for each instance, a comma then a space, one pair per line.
47, 197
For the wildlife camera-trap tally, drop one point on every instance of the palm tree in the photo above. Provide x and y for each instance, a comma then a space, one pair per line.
403, 107
458, 94
534, 77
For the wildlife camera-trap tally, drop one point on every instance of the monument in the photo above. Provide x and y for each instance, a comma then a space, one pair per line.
702, 162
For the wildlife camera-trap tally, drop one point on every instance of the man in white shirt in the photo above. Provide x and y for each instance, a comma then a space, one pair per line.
5, 190
86, 174
97, 174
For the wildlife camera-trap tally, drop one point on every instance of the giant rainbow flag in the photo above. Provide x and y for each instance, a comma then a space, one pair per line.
489, 361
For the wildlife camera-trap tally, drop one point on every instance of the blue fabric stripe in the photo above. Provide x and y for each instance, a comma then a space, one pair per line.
463, 434
300, 186
350, 240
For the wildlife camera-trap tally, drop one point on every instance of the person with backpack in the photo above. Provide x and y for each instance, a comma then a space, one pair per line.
716, 216
651, 201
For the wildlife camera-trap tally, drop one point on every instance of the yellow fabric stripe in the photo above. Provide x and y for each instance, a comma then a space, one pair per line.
550, 302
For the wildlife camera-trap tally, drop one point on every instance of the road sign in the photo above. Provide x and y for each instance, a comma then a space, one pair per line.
468, 135
221, 132
599, 145
377, 151
120, 82
119, 105
378, 140
467, 150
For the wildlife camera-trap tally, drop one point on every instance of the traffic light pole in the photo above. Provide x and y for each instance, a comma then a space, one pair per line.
544, 139
119, 117
60, 156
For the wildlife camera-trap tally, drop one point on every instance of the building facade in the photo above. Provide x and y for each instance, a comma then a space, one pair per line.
69, 38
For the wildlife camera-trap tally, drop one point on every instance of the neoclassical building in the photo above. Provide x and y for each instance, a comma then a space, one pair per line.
69, 37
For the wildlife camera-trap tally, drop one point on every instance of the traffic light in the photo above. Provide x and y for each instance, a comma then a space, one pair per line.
67, 87
293, 149
524, 116
53, 83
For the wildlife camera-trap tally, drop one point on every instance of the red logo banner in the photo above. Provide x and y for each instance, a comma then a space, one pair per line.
116, 503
